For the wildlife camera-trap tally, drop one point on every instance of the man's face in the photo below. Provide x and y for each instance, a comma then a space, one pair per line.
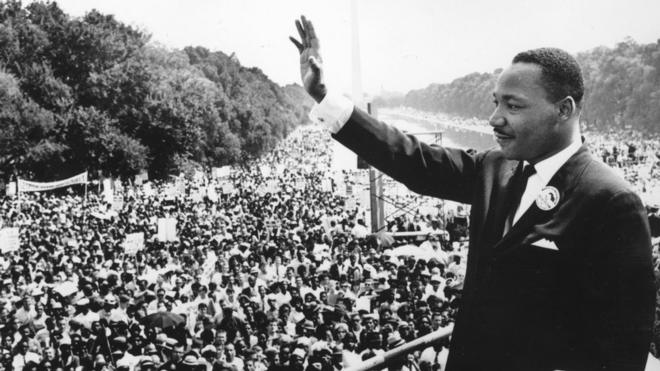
525, 122
230, 351
177, 353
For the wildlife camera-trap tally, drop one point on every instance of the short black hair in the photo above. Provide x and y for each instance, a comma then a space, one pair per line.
560, 72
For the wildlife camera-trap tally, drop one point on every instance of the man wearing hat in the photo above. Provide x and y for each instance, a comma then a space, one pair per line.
190, 362
436, 288
120, 354
100, 364
175, 359
208, 357
85, 316
297, 359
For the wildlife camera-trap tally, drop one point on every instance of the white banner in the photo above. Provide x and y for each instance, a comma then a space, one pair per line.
11, 189
9, 240
221, 172
134, 242
228, 189
108, 193
118, 202
27, 186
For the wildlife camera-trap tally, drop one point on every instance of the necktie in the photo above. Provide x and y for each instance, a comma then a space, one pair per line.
518, 186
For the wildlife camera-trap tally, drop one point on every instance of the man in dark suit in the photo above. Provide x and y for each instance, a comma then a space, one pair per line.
559, 273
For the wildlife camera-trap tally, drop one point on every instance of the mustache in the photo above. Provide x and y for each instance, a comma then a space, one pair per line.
501, 132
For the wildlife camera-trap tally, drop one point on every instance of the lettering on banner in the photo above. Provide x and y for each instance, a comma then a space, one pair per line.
28, 186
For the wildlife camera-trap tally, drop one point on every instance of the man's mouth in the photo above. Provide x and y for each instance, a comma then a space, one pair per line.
502, 136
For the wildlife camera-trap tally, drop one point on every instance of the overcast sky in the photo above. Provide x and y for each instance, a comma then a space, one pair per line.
404, 44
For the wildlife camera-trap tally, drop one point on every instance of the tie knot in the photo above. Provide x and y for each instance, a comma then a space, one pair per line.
528, 170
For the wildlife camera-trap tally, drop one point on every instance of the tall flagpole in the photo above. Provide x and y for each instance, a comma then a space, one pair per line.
356, 70
376, 205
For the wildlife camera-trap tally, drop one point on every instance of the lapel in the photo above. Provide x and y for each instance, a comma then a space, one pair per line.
564, 180
497, 207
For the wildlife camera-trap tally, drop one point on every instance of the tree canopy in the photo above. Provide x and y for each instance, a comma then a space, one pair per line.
92, 93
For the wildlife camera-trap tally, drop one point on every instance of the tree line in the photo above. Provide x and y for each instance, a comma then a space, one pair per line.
622, 90
94, 94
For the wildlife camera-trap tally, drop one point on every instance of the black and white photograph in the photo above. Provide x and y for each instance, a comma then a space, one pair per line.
348, 185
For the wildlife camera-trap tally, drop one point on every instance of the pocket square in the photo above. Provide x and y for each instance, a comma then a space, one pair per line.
546, 244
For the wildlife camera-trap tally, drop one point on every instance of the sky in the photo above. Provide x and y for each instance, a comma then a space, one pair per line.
404, 45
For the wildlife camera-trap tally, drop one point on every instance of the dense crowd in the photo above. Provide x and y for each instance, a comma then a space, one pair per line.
277, 270
273, 267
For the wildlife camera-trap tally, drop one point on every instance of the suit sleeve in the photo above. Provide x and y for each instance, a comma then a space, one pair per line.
427, 169
619, 286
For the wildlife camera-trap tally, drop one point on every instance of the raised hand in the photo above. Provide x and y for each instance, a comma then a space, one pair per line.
311, 70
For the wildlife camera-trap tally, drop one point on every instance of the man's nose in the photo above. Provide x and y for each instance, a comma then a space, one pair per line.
496, 119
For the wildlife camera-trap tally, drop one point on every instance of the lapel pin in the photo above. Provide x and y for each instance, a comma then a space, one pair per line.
548, 198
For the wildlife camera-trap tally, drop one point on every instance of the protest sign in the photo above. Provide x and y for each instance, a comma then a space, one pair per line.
228, 189
134, 242
9, 240
221, 172
10, 191
28, 186
167, 229
118, 202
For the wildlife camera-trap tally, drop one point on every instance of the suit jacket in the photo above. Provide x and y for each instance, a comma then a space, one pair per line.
589, 304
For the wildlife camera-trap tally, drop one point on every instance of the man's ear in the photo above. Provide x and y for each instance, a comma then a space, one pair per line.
567, 107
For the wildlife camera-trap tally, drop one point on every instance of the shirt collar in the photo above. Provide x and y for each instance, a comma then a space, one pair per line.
547, 168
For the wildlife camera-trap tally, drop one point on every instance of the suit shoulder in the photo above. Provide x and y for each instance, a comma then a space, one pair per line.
601, 180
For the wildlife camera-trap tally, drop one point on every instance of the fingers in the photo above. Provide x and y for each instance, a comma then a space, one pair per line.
311, 33
308, 27
297, 44
301, 31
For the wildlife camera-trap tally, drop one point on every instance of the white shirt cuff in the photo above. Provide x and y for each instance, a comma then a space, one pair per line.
333, 111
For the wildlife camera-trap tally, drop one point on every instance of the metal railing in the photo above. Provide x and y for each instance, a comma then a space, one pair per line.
380, 361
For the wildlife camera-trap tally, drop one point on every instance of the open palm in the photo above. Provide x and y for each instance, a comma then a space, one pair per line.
311, 71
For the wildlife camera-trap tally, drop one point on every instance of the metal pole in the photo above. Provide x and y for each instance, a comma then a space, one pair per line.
376, 193
380, 361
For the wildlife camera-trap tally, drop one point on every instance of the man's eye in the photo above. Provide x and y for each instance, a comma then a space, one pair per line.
514, 107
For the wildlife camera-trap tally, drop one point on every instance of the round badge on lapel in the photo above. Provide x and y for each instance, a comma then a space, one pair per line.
548, 198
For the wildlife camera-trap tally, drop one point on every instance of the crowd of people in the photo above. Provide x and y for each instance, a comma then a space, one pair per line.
272, 266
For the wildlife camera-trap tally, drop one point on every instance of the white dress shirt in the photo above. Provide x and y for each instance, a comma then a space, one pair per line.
545, 170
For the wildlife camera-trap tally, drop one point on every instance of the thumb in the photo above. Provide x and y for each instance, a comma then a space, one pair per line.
315, 64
